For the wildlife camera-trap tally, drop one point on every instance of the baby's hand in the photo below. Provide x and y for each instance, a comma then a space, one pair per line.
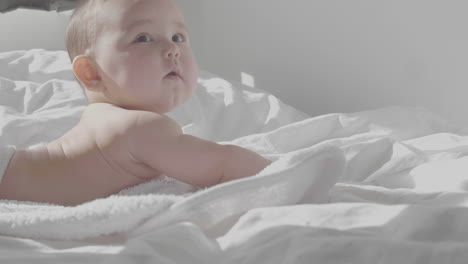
240, 163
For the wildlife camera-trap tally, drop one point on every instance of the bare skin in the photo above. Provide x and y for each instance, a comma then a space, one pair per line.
111, 149
132, 77
89, 162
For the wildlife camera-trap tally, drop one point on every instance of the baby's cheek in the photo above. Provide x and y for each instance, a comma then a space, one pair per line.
134, 73
191, 71
114, 68
194, 78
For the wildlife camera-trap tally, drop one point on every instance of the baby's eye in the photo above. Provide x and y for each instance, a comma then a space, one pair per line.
178, 38
143, 38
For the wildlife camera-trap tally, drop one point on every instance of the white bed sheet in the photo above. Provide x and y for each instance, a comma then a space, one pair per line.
381, 186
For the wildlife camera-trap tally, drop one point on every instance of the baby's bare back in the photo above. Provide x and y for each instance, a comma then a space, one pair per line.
90, 161
112, 148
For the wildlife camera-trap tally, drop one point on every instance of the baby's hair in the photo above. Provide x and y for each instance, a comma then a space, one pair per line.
84, 27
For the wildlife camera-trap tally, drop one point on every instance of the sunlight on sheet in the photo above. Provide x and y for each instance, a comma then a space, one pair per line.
247, 79
445, 175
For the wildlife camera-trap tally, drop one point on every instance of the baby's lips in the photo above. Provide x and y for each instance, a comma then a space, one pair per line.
174, 72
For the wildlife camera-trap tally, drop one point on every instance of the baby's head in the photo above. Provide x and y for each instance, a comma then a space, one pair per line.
132, 53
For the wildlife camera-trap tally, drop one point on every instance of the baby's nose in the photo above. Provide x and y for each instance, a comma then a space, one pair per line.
172, 51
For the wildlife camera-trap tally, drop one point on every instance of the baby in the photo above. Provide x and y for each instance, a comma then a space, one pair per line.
133, 58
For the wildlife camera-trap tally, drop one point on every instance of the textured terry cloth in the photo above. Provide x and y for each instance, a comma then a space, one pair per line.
6, 152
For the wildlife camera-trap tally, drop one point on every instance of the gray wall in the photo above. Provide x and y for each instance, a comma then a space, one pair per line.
319, 55
340, 55
27, 29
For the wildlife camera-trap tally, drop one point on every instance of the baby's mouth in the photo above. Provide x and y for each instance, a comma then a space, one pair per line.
172, 75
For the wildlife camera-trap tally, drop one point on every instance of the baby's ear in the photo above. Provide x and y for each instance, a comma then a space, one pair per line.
86, 72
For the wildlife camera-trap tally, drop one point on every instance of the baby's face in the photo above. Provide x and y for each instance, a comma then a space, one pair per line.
144, 56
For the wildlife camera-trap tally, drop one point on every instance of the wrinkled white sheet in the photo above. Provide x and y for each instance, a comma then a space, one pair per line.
382, 186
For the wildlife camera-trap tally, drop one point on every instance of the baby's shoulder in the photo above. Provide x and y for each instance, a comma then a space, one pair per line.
119, 120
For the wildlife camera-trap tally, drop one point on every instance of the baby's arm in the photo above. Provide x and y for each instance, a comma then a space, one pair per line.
158, 142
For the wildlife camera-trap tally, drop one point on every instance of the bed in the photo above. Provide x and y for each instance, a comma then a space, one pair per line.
381, 186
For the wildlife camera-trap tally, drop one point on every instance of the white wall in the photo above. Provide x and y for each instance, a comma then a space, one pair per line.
320, 55
340, 55
27, 29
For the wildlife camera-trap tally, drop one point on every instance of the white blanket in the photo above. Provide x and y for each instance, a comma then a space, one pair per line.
382, 186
